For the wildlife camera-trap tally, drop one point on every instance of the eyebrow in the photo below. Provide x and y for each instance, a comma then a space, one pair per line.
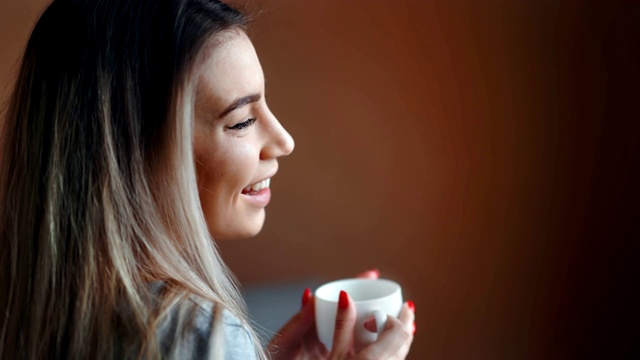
239, 103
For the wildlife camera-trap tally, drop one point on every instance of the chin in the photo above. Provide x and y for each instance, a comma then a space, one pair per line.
244, 231
236, 235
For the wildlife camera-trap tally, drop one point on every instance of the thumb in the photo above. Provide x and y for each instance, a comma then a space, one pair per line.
343, 332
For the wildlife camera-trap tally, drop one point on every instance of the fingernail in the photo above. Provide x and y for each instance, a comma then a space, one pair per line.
411, 305
371, 325
343, 302
306, 296
414, 328
376, 271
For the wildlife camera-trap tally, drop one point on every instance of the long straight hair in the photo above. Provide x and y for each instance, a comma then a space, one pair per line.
98, 184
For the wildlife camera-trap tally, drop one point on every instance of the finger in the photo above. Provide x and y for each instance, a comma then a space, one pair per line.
394, 342
306, 297
343, 332
408, 316
369, 274
292, 333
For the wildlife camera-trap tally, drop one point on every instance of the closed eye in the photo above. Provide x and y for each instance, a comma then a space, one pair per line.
243, 125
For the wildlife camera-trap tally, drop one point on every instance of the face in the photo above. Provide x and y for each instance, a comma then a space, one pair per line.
237, 140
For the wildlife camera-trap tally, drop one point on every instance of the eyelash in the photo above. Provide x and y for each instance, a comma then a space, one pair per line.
243, 125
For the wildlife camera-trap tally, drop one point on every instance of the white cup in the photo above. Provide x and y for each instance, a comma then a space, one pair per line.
372, 297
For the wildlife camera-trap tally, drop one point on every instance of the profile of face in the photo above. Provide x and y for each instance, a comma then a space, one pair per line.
237, 140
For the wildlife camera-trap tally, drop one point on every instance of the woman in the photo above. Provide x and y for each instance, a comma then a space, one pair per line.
136, 134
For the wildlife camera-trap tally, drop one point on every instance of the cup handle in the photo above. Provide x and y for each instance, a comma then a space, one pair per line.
381, 320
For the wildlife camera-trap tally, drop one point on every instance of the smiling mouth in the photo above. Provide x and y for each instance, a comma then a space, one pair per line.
257, 187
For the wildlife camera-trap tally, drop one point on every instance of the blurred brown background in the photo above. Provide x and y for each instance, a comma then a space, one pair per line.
483, 154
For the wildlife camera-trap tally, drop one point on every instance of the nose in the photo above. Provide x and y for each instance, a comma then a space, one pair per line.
278, 142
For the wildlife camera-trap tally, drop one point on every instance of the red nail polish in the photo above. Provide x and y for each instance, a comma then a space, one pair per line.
376, 271
414, 328
371, 325
411, 305
343, 302
306, 296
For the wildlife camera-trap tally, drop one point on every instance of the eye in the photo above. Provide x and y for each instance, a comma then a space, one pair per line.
243, 125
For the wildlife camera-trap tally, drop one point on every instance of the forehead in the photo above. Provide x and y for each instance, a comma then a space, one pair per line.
229, 69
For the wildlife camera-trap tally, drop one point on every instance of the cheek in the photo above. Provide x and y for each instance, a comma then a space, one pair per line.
208, 174
222, 172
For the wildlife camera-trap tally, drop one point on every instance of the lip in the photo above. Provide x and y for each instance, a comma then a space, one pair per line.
271, 174
259, 199
262, 197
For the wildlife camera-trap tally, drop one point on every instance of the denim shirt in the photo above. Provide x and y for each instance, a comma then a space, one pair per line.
198, 341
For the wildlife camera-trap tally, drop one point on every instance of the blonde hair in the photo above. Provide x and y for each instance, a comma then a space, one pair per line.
98, 183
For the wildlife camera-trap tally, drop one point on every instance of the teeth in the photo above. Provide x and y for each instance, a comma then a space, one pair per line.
258, 186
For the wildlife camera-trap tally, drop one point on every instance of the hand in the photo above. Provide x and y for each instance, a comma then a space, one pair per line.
298, 339
393, 344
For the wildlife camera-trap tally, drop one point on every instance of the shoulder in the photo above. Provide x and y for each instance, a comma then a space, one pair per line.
198, 329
